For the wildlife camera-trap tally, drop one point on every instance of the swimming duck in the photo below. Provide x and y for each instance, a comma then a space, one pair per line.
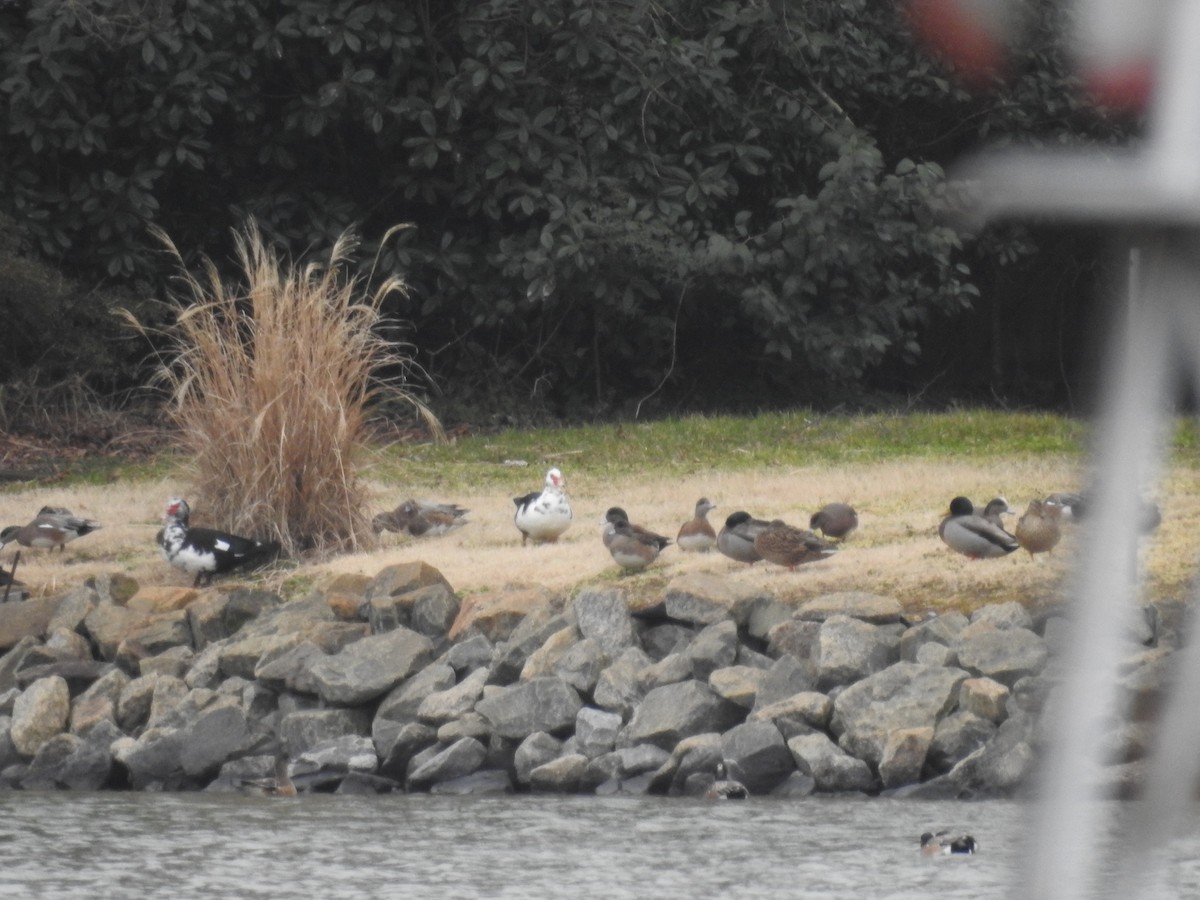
615, 515
631, 550
943, 843
1038, 529
421, 518
995, 510
974, 536
52, 527
542, 516
736, 539
726, 788
696, 535
203, 551
279, 786
784, 545
834, 520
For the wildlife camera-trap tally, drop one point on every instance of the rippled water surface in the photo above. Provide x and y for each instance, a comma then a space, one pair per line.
195, 845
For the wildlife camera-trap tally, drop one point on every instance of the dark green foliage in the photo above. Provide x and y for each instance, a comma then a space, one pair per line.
741, 195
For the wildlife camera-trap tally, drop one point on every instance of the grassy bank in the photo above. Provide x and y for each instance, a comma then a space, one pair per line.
900, 471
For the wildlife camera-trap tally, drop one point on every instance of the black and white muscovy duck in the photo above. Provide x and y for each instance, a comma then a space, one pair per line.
542, 516
52, 527
204, 551
944, 843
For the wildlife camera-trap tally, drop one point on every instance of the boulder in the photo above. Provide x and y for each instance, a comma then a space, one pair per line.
107, 626
662, 640
934, 654
39, 713
560, 775
830, 767
429, 609
469, 654
152, 761
737, 684
341, 755
941, 629
243, 655
956, 737
440, 707
460, 758
469, 724
703, 599
1005, 655
596, 731
72, 762
801, 713
850, 649
603, 616
758, 754
370, 667
291, 670
298, 731
670, 713
487, 782
161, 598
873, 608
766, 614
1001, 766
12, 662
530, 634
983, 697
794, 638
25, 619
580, 666
903, 756
403, 702
175, 661
904, 695
397, 743
715, 647
74, 607
622, 765
618, 688
536, 750
496, 614
159, 632
98, 703
786, 677
1004, 615
542, 660
669, 670
219, 732
543, 704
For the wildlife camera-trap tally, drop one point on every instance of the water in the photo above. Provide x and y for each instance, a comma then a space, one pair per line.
136, 845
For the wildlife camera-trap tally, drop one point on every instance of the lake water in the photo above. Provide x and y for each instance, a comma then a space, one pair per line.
137, 845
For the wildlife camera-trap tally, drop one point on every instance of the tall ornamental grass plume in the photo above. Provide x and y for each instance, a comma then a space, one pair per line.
271, 382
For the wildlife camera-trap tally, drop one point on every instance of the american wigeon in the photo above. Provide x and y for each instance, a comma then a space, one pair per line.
696, 535
629, 549
203, 551
726, 788
943, 843
995, 510
1038, 529
615, 515
53, 527
542, 516
835, 520
421, 518
786, 545
974, 536
736, 539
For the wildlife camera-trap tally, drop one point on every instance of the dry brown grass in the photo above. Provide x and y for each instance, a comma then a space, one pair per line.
271, 381
896, 550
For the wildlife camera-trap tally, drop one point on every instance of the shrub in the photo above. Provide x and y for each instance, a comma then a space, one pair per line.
271, 382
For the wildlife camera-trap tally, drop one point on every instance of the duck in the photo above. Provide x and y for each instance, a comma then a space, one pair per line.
204, 551
696, 535
615, 515
972, 535
542, 516
421, 518
944, 843
736, 539
53, 527
631, 550
835, 520
1038, 530
279, 786
995, 510
726, 788
786, 545
1073, 507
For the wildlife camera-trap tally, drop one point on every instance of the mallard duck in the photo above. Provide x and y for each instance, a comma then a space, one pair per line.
52, 527
943, 843
995, 511
697, 535
974, 536
615, 515
542, 516
736, 539
835, 520
203, 551
726, 788
421, 518
631, 550
279, 786
785, 545
1038, 529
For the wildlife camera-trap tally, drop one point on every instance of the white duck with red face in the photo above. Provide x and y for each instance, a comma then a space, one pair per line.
543, 516
204, 552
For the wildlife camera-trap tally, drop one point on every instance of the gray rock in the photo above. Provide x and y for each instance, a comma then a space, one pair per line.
471, 653
753, 659
402, 704
766, 614
12, 661
618, 688
434, 609
396, 743
488, 782
459, 759
39, 713
873, 608
904, 695
174, 661
536, 750
849, 650
737, 684
596, 731
1005, 655
160, 632
98, 703
542, 660
795, 787
704, 599
73, 609
984, 697
830, 767
787, 677
622, 765
528, 635
665, 639
713, 648
794, 638
69, 761
580, 666
205, 669
603, 616
1004, 615
561, 775
8, 753
133, 707
670, 713
298, 731
402, 579
904, 756
219, 733
371, 667
167, 694
693, 761
758, 754
440, 707
956, 737
943, 629
343, 754
801, 713
291, 670
152, 761
469, 724
242, 655
543, 704
1001, 766
669, 670
934, 654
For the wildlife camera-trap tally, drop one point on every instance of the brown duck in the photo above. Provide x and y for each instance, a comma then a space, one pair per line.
697, 534
1038, 530
785, 545
421, 518
834, 520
